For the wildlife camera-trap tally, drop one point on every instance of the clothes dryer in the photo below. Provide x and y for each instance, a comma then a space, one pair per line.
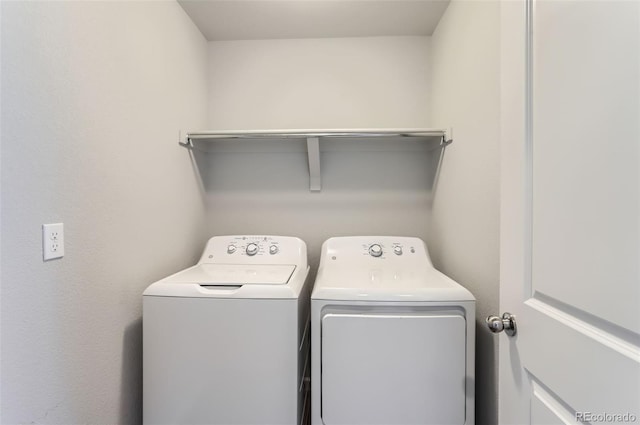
393, 339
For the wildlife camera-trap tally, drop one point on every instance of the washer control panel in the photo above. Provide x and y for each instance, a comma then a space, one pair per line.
254, 249
253, 245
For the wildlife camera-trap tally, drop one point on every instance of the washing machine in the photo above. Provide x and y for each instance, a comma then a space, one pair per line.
227, 340
393, 339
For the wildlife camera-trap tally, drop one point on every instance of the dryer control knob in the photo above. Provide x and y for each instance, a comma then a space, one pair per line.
397, 250
273, 249
231, 249
375, 250
252, 249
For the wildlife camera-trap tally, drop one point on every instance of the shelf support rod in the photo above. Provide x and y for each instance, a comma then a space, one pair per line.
313, 151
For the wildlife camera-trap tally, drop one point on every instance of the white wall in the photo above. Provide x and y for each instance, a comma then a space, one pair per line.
318, 83
464, 226
93, 97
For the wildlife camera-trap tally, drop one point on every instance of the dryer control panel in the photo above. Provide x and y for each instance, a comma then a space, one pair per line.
378, 250
396, 249
255, 249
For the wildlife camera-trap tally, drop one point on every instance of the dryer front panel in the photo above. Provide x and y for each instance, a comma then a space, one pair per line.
393, 368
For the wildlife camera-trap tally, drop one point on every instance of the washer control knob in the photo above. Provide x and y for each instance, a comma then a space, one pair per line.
397, 250
231, 249
252, 249
375, 250
273, 249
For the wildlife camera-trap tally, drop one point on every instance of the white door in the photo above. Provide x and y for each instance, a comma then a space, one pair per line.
570, 212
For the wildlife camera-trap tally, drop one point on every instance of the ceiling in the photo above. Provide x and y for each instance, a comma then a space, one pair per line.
279, 19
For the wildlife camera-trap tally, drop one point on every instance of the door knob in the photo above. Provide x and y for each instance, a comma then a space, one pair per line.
507, 323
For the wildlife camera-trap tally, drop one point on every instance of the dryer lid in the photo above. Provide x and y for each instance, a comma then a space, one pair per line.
421, 283
234, 274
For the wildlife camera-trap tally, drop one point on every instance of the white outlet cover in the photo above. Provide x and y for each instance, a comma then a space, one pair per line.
52, 241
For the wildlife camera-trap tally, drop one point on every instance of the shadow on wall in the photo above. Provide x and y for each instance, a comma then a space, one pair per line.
131, 375
250, 165
486, 401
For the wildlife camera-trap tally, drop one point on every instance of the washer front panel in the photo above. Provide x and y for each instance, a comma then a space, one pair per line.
220, 361
393, 368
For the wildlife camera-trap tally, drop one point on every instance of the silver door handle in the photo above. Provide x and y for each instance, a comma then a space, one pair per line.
507, 323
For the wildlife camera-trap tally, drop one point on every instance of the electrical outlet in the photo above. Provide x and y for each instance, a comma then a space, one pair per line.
52, 241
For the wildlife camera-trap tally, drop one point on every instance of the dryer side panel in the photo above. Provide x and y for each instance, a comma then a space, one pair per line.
406, 368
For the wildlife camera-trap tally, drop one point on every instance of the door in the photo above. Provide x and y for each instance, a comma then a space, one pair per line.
570, 212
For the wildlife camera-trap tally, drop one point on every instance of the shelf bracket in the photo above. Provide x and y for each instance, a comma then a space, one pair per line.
185, 140
447, 137
313, 151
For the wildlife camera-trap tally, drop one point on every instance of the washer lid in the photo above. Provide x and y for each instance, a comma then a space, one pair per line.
260, 281
234, 274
